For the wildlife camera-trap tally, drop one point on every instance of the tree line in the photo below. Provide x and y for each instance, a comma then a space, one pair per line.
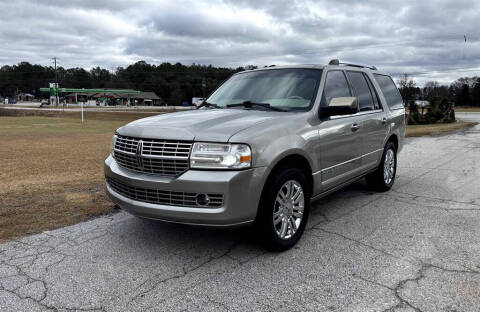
174, 83
462, 92
177, 83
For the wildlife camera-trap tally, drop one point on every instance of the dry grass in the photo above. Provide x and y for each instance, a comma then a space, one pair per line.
467, 109
107, 116
435, 129
52, 170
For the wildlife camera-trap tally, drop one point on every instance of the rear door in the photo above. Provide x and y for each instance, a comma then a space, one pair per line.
371, 118
340, 145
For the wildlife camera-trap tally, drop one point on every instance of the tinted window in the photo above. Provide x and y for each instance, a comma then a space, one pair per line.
389, 90
335, 86
376, 101
362, 91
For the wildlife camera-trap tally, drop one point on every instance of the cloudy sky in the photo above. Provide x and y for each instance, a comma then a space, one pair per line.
424, 38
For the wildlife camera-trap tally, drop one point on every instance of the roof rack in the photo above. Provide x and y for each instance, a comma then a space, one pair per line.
337, 62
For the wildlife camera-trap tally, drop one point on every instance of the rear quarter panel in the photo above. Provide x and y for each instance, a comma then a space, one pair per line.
398, 126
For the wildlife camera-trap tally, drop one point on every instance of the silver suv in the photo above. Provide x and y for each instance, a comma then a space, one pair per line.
263, 146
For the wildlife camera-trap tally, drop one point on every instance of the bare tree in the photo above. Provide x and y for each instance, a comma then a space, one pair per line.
407, 88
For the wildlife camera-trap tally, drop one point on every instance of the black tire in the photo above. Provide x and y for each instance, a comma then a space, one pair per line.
266, 230
376, 179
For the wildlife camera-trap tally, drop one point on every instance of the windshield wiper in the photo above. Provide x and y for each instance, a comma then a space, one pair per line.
206, 104
250, 104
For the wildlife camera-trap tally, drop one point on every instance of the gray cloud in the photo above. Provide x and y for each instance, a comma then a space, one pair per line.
424, 38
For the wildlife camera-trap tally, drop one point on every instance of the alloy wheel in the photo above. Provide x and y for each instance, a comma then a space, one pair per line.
288, 209
389, 166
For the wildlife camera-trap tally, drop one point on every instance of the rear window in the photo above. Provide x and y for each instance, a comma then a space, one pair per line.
374, 94
390, 91
362, 91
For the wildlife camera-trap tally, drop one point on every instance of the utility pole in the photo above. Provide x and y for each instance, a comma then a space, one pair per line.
56, 82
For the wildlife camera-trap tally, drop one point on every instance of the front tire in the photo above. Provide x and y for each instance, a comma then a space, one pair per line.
284, 209
383, 178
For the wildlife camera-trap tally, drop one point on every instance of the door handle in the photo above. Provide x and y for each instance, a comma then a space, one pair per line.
384, 120
355, 127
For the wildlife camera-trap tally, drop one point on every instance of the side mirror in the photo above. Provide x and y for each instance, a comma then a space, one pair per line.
339, 106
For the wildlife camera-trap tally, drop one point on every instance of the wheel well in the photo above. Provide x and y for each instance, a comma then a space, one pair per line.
296, 161
393, 138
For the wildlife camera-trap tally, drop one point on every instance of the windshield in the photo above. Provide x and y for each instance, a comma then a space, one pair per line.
288, 89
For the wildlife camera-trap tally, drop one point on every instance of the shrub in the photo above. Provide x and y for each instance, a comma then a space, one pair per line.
440, 111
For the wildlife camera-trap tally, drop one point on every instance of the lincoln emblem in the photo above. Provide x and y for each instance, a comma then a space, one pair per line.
139, 154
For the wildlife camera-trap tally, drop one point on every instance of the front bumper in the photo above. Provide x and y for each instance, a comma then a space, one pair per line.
241, 191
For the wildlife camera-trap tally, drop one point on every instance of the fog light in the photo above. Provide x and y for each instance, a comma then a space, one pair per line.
202, 199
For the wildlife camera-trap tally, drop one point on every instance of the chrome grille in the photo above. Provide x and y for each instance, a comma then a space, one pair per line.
166, 148
154, 156
126, 144
159, 197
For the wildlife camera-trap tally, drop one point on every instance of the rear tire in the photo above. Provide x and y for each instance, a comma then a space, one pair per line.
283, 210
383, 177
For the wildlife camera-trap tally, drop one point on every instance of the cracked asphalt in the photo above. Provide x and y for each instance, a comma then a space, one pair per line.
415, 248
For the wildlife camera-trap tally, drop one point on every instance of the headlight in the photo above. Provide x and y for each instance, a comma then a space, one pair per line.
220, 156
114, 140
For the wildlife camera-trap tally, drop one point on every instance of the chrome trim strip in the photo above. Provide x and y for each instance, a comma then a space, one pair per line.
152, 156
340, 164
356, 114
164, 157
337, 187
348, 161
124, 152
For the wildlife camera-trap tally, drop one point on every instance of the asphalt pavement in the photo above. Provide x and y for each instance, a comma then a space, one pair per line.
415, 248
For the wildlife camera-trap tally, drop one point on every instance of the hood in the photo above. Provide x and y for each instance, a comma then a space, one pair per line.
217, 125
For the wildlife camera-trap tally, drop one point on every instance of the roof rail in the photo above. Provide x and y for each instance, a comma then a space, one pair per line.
337, 62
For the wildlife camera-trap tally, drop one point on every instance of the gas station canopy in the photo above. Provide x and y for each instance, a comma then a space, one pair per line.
77, 90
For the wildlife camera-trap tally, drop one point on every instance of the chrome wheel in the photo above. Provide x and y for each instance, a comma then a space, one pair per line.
389, 166
288, 209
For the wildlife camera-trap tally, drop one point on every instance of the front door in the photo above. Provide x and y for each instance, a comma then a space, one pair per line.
339, 147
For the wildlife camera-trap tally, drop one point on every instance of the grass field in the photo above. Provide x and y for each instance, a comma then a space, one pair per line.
52, 167
52, 170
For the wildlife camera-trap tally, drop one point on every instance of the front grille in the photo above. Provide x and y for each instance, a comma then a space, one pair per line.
163, 157
159, 197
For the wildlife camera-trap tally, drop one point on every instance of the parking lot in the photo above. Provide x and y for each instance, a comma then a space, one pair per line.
415, 248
